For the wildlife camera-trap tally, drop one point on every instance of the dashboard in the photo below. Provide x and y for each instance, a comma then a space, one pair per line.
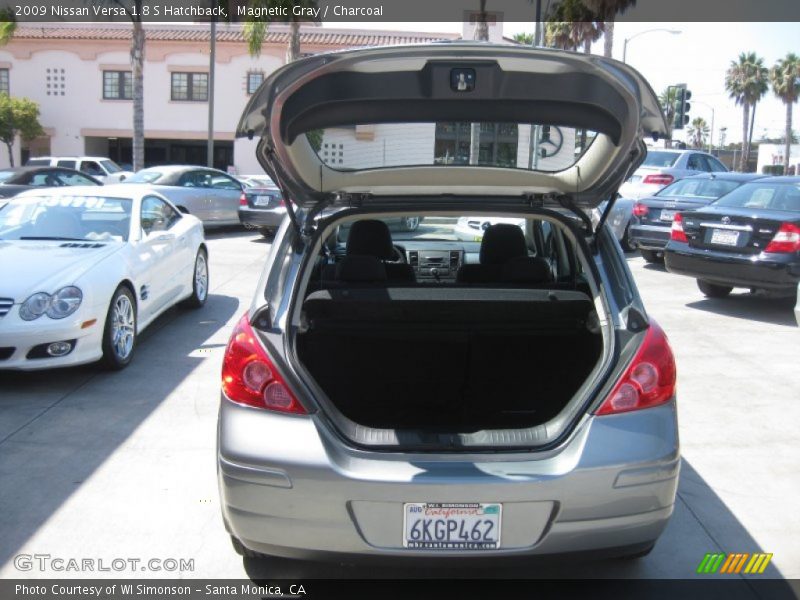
438, 261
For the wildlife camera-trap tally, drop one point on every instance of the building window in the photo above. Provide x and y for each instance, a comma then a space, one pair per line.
117, 85
254, 80
55, 82
4, 87
190, 86
497, 147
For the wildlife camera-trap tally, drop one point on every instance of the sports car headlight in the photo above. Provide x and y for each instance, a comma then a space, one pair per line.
35, 306
64, 302
61, 304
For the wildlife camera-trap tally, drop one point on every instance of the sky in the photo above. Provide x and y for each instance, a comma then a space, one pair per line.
698, 57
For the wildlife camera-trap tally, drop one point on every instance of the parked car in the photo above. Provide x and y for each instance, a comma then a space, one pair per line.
256, 181
652, 216
211, 195
101, 168
472, 228
749, 238
19, 179
262, 208
85, 270
663, 166
519, 400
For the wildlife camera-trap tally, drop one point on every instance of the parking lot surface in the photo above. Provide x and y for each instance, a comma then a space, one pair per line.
121, 465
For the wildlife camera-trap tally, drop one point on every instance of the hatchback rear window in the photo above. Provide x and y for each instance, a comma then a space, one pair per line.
507, 145
660, 159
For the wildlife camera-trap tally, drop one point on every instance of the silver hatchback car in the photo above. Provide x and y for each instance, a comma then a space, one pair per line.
391, 395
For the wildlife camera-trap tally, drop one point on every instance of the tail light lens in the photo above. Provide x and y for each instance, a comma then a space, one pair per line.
786, 240
282, 202
648, 381
243, 199
677, 234
640, 210
658, 179
249, 377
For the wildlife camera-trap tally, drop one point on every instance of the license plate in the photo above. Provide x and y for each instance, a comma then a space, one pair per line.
451, 526
263, 200
724, 237
667, 215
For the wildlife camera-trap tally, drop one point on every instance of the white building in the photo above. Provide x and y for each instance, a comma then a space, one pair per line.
772, 154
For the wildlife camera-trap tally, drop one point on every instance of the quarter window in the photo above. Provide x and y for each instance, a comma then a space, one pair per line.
117, 85
190, 86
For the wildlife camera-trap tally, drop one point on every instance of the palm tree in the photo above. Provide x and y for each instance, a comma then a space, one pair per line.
572, 25
558, 34
607, 10
667, 99
255, 31
698, 132
785, 77
8, 25
746, 82
525, 39
481, 34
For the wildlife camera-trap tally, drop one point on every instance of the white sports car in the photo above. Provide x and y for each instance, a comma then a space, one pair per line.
84, 270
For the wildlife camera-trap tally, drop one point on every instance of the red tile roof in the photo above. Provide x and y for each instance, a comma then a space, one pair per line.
276, 34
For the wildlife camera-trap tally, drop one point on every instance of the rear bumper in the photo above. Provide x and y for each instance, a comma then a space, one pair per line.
649, 237
289, 488
268, 217
765, 271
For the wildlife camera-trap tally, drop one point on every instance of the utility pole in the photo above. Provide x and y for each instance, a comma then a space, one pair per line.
211, 62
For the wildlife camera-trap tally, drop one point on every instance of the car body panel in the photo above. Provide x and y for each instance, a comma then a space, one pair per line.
33, 178
158, 267
687, 163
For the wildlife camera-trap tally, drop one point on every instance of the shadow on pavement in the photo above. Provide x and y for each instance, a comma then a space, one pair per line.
82, 417
753, 307
701, 524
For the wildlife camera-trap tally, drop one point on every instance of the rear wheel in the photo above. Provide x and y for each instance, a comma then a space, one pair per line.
242, 551
267, 232
625, 242
119, 335
712, 290
199, 281
651, 256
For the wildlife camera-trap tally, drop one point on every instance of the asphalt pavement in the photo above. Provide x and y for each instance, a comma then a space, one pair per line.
121, 465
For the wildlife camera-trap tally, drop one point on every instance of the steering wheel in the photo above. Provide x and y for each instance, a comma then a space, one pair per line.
399, 257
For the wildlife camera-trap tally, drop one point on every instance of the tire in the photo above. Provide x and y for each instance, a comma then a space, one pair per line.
651, 256
625, 242
119, 333
409, 223
242, 551
200, 281
267, 232
712, 290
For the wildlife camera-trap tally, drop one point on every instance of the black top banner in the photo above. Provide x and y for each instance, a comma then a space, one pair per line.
423, 11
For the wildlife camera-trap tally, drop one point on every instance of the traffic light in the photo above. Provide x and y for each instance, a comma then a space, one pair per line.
682, 106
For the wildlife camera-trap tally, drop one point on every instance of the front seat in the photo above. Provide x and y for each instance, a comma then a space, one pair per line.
371, 238
504, 259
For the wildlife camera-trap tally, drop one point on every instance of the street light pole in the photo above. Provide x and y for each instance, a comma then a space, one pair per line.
711, 136
635, 35
211, 62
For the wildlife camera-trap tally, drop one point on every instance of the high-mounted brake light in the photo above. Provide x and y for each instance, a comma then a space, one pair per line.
243, 199
677, 234
658, 179
786, 240
648, 381
639, 209
249, 377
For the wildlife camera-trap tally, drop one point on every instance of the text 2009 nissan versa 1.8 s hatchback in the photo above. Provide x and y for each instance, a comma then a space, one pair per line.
429, 397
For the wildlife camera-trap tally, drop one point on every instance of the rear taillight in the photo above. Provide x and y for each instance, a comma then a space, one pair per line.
282, 202
648, 381
640, 210
658, 179
786, 240
249, 377
677, 234
243, 199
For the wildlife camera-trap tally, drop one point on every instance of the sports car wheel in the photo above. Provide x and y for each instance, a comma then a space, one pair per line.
713, 290
119, 335
199, 281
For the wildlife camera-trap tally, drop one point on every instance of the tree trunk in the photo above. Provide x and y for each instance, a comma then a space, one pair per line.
788, 146
750, 136
10, 147
587, 46
481, 28
137, 60
608, 39
293, 51
745, 125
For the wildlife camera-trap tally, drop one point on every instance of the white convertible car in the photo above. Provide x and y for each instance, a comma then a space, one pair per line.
84, 270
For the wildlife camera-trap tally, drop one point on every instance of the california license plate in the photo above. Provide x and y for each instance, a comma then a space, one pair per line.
667, 215
263, 200
452, 525
724, 237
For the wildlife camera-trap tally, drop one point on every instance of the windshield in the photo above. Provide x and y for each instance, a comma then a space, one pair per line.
508, 145
766, 196
110, 166
145, 176
93, 218
655, 158
699, 188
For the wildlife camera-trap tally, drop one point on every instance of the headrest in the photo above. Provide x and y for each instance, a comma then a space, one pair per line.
501, 243
370, 238
526, 269
359, 268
